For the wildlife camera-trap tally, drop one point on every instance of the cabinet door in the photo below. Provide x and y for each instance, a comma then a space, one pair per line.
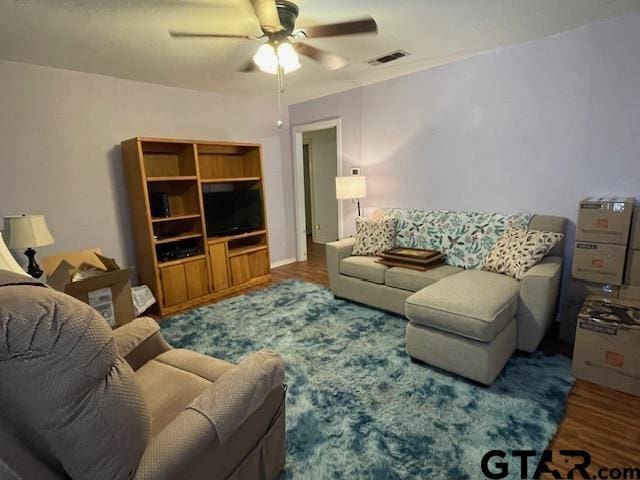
258, 263
197, 278
240, 272
174, 285
219, 268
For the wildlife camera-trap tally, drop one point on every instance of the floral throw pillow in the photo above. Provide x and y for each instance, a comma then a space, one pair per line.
517, 250
374, 236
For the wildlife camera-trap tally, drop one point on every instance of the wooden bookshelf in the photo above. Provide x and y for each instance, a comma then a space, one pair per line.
183, 169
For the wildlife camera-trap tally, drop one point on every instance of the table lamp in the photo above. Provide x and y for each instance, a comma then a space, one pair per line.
353, 187
28, 231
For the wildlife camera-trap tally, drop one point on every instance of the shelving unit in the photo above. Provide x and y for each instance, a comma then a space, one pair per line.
172, 179
174, 218
181, 169
231, 180
182, 236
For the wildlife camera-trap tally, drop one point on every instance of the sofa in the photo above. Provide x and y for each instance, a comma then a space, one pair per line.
78, 400
464, 320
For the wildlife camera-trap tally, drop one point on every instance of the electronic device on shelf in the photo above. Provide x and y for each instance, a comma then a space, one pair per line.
160, 205
233, 211
178, 252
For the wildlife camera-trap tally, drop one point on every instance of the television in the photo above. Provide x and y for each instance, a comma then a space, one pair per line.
231, 212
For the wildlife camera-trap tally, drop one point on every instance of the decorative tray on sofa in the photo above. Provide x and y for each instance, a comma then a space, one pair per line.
414, 258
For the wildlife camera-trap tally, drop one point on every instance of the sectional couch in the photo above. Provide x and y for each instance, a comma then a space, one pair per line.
461, 318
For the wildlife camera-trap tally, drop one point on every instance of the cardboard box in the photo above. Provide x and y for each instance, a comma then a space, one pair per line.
634, 235
574, 295
604, 220
95, 280
599, 262
632, 269
607, 348
630, 292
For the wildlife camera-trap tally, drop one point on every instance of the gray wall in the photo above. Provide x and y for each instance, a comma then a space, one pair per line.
324, 167
533, 127
60, 133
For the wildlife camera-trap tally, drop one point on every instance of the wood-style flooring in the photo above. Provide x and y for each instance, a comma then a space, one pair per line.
602, 421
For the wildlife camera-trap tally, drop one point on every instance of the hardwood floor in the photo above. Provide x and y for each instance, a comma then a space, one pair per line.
602, 421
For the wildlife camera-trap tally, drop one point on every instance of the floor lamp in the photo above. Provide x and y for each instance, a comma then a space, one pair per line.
353, 188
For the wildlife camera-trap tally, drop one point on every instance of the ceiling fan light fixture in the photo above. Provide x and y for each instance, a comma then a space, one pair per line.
266, 59
288, 58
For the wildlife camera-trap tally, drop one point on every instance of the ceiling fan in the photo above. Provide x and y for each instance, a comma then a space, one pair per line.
279, 54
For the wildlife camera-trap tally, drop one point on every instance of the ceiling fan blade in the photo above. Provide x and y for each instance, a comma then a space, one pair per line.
248, 67
329, 60
208, 35
365, 25
267, 14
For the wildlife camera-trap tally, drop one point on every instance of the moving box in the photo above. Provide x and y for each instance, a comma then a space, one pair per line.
604, 220
599, 262
607, 346
93, 279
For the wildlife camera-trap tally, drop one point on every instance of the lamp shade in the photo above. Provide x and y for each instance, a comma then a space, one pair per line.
354, 186
7, 262
27, 231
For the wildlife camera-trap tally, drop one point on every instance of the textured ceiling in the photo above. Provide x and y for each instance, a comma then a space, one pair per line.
129, 39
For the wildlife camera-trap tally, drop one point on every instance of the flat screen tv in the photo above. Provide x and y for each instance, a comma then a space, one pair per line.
231, 212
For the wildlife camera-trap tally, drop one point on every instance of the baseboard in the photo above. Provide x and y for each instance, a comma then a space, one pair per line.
284, 262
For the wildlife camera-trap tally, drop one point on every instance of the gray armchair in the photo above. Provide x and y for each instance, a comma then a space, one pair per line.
80, 401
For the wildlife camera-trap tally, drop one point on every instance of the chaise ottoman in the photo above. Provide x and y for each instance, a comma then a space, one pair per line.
465, 323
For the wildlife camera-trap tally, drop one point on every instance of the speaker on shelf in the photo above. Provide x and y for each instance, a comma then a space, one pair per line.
160, 204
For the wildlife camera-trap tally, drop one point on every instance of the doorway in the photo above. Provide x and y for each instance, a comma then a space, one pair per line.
317, 161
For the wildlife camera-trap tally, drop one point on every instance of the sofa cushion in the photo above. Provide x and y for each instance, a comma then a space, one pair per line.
364, 268
414, 280
473, 303
517, 250
465, 237
374, 236
165, 403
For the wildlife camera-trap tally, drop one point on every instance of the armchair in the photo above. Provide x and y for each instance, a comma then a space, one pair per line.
78, 400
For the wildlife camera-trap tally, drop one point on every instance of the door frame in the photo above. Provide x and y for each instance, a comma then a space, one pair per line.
297, 132
312, 192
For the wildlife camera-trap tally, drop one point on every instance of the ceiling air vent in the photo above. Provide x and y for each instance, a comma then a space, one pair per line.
389, 57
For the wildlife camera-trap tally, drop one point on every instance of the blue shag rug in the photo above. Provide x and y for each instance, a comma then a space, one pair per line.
357, 407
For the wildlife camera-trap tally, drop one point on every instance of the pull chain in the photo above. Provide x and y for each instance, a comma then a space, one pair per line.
280, 80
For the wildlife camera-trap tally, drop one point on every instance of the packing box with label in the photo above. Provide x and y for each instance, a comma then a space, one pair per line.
607, 347
575, 293
93, 279
632, 270
599, 262
604, 220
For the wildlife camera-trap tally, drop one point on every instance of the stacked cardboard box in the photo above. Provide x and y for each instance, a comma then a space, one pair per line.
602, 234
602, 239
607, 334
632, 269
608, 344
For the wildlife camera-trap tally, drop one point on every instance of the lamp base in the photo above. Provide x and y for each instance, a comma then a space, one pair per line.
33, 269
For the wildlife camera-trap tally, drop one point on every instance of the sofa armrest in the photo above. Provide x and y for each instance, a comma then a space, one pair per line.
213, 417
336, 251
539, 289
140, 341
